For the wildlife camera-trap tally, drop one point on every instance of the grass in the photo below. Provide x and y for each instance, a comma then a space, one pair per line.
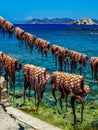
52, 114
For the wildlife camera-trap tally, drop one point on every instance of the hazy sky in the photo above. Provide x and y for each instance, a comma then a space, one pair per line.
26, 9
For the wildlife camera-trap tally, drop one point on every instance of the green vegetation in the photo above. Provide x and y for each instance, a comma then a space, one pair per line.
51, 113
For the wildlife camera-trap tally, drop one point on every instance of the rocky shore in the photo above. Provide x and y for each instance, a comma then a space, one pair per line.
4, 92
14, 119
6, 121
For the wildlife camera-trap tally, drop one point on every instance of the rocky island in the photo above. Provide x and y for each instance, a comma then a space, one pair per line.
86, 21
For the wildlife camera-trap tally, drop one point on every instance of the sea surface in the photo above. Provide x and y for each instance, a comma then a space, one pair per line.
83, 39
79, 38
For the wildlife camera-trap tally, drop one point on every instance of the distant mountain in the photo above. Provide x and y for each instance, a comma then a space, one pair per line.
51, 21
58, 21
95, 20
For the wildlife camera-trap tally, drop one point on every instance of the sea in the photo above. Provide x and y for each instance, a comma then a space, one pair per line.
80, 38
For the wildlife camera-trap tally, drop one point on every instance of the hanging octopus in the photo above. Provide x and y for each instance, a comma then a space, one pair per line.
60, 54
37, 78
2, 23
94, 66
19, 33
69, 83
62, 57
9, 27
10, 65
30, 39
43, 46
1, 62
54, 50
77, 58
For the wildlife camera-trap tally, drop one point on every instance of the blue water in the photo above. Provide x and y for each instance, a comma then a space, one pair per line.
84, 40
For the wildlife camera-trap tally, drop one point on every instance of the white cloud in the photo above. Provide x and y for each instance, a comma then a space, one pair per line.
28, 17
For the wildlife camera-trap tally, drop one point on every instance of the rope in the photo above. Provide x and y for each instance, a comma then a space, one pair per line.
86, 80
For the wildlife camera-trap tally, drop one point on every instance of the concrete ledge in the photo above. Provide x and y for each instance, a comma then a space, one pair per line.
6, 121
33, 122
